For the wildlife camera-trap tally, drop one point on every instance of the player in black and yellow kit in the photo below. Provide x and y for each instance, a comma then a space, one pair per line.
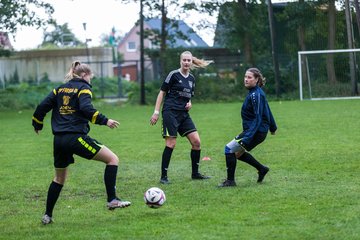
71, 112
177, 89
257, 121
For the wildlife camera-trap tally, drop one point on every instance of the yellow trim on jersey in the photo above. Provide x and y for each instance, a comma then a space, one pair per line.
93, 120
36, 120
87, 91
54, 91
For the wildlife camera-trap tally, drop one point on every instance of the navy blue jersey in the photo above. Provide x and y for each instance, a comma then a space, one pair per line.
71, 109
256, 114
179, 90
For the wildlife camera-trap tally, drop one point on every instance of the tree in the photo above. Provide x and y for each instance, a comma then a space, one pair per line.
354, 90
15, 13
331, 41
169, 12
357, 11
297, 21
61, 36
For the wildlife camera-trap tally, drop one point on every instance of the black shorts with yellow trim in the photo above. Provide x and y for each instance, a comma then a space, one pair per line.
66, 145
174, 122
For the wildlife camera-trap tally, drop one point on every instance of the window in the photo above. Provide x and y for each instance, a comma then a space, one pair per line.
131, 47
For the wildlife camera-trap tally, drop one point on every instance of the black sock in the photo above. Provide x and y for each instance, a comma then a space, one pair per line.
52, 197
249, 159
195, 159
110, 181
165, 161
230, 165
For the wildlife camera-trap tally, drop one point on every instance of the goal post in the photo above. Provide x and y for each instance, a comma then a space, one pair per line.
328, 74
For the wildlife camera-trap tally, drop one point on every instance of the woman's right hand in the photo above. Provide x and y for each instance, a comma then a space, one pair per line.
154, 118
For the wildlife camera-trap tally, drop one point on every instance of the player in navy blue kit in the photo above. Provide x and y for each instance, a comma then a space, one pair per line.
71, 112
257, 120
176, 91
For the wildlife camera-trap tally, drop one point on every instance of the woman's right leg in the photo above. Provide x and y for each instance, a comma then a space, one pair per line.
230, 151
170, 143
54, 193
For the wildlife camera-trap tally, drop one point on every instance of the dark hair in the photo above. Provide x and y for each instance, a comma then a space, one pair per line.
257, 74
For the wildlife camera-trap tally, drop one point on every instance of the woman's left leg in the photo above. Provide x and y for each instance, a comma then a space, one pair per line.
111, 160
194, 140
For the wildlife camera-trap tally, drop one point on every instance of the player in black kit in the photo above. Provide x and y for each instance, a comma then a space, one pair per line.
71, 112
176, 91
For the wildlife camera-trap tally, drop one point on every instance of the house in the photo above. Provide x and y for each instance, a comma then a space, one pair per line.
4, 41
129, 46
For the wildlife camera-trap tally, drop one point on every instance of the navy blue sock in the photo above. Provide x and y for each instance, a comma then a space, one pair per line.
52, 197
166, 161
230, 165
249, 159
195, 159
110, 181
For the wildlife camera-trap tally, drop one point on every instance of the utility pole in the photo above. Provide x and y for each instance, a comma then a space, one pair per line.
86, 44
273, 48
350, 37
142, 68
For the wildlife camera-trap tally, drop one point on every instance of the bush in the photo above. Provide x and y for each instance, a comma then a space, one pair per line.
24, 95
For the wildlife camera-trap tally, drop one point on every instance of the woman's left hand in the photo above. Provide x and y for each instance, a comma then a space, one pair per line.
188, 106
112, 123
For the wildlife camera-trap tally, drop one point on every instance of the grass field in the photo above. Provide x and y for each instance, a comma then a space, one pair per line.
311, 192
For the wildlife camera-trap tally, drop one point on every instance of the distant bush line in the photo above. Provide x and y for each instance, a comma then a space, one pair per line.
27, 95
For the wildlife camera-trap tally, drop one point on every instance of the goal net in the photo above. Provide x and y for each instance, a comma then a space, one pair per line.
329, 74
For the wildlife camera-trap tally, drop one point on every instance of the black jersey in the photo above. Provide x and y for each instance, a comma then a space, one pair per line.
72, 109
179, 90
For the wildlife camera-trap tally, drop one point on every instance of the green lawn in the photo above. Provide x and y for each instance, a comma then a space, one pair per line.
311, 192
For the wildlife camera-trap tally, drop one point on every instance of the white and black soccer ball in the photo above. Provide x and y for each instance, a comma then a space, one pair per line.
154, 197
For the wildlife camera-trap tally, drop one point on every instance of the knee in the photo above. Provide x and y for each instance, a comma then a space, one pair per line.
170, 142
114, 160
239, 154
171, 145
196, 144
60, 179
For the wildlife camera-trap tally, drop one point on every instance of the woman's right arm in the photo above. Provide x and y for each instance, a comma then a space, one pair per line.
42, 109
154, 118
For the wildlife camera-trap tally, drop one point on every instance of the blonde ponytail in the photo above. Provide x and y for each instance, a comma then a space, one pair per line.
71, 74
77, 70
200, 63
197, 63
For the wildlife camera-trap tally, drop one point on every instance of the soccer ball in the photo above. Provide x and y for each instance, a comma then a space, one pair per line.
154, 197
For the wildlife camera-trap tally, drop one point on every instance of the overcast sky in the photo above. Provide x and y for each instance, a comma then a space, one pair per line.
100, 17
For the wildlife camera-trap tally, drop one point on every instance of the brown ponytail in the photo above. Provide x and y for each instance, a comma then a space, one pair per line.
261, 81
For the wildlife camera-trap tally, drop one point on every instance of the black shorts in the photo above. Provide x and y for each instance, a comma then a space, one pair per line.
258, 138
177, 122
66, 145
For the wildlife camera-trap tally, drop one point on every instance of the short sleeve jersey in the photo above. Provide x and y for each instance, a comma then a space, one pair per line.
179, 90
